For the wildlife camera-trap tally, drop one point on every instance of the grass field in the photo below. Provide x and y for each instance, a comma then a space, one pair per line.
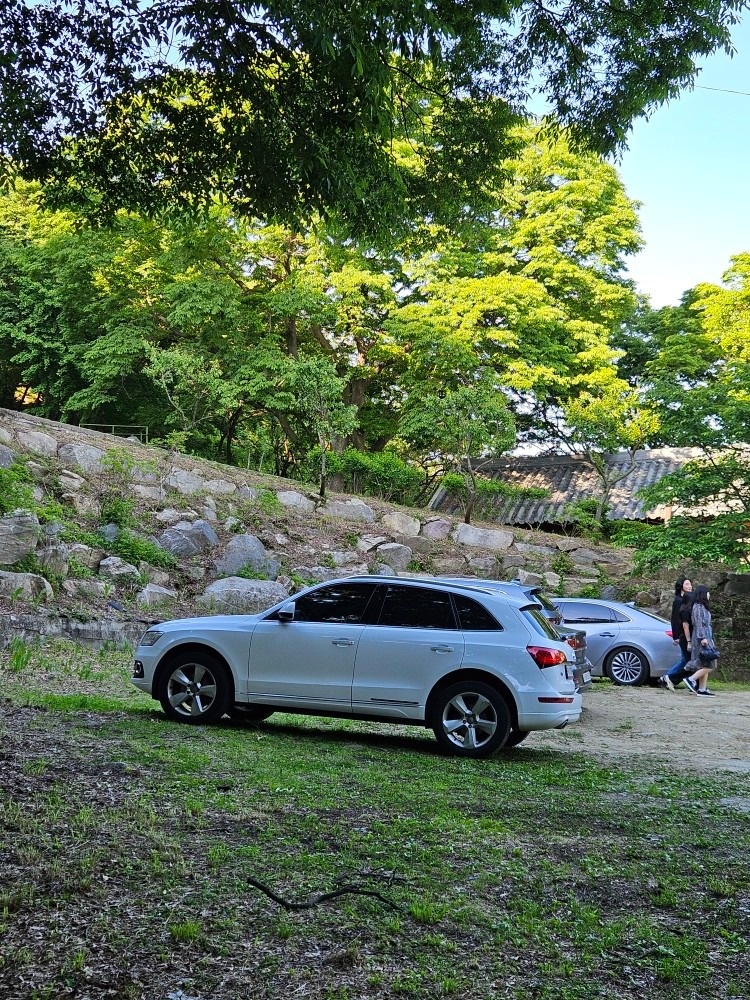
128, 845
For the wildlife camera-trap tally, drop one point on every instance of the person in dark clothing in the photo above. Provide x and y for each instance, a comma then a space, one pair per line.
680, 619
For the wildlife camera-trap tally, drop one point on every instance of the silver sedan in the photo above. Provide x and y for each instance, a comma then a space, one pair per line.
627, 644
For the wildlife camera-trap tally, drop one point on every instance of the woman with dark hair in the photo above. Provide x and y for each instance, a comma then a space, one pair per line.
681, 606
702, 636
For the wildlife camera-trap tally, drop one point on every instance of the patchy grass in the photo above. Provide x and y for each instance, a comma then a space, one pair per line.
128, 842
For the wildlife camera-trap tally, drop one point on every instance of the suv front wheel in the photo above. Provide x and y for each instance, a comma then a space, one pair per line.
470, 719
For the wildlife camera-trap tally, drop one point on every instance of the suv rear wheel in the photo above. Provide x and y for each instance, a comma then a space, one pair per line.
470, 719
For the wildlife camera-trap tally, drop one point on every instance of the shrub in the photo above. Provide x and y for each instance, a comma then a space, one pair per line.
15, 489
490, 493
380, 474
134, 549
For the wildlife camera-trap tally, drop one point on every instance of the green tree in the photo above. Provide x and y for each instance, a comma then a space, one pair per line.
291, 109
319, 399
466, 428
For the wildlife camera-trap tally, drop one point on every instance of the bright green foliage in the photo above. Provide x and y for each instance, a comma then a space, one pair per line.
461, 424
290, 109
319, 400
15, 489
197, 329
487, 494
381, 474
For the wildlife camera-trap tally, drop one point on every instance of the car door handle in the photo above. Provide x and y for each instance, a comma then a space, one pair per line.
608, 635
441, 649
342, 642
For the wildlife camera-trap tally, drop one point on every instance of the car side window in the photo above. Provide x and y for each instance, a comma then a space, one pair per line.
584, 612
473, 617
619, 616
417, 607
344, 603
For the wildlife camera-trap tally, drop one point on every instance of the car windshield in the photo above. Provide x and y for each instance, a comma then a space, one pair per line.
538, 621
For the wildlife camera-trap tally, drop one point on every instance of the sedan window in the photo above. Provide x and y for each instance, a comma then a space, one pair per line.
473, 617
343, 603
580, 612
417, 607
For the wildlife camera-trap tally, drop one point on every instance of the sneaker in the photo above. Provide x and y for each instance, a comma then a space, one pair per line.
689, 683
705, 693
666, 681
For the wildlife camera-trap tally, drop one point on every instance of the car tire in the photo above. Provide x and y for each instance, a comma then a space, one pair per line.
515, 737
249, 713
470, 719
195, 688
627, 667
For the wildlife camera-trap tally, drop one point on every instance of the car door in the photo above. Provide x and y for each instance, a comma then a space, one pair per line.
599, 624
309, 662
415, 641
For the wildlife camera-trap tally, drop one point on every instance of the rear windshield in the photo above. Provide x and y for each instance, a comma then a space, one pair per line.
547, 604
650, 614
539, 622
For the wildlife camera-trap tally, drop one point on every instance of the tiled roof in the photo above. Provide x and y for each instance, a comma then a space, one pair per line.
570, 477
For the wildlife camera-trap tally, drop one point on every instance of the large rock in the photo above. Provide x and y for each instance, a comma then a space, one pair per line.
437, 528
565, 544
529, 579
315, 574
19, 534
221, 486
86, 556
117, 570
26, 586
70, 481
401, 524
350, 510
246, 552
483, 538
451, 566
42, 444
345, 558
85, 456
185, 482
188, 538
54, 559
290, 498
153, 594
155, 493
7, 456
394, 555
484, 566
172, 516
88, 589
236, 594
738, 585
535, 550
369, 542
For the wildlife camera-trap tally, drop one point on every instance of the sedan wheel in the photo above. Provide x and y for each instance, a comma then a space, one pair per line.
628, 667
195, 689
470, 719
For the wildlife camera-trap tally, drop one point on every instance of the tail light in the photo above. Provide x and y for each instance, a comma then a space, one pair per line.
669, 633
544, 657
576, 641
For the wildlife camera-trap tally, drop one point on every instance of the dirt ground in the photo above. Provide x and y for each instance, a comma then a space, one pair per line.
687, 733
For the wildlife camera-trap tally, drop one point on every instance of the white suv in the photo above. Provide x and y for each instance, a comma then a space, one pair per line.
482, 668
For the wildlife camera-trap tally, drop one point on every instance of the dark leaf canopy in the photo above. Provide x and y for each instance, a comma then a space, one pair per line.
301, 105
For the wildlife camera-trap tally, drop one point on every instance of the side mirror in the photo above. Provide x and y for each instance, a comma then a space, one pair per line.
286, 612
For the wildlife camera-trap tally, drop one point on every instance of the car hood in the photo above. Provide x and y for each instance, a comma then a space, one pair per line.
207, 623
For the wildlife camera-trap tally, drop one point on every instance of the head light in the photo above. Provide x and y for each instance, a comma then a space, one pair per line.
150, 637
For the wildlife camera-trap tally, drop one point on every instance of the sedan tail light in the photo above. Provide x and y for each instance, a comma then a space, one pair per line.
576, 641
669, 633
544, 657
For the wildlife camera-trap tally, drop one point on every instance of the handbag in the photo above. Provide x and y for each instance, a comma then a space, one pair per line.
708, 653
